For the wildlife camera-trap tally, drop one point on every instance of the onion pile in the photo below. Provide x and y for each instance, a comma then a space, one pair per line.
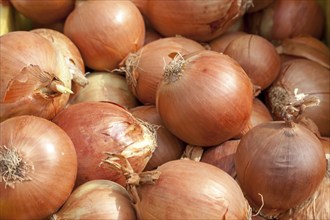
205, 98
110, 31
38, 166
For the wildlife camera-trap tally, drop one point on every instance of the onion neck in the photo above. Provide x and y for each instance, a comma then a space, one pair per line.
174, 70
12, 166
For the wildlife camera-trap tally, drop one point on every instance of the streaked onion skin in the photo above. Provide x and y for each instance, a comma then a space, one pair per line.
188, 189
283, 164
220, 43
110, 31
48, 168
97, 199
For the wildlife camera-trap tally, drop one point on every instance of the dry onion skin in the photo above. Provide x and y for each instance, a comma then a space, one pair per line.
31, 78
38, 165
305, 77
110, 31
279, 166
205, 98
198, 20
44, 12
286, 19
144, 69
169, 147
97, 128
257, 56
106, 87
188, 189
97, 199
220, 43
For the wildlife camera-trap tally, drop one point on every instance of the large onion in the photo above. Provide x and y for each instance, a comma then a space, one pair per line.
198, 20
97, 199
144, 69
38, 167
105, 32
97, 128
205, 98
31, 77
220, 43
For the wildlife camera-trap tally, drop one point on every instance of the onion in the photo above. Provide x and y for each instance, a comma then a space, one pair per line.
220, 43
201, 191
198, 20
305, 77
305, 47
222, 156
98, 127
285, 19
259, 5
44, 12
110, 31
106, 87
276, 165
31, 78
144, 69
169, 147
260, 114
151, 35
205, 98
97, 199
257, 56
38, 166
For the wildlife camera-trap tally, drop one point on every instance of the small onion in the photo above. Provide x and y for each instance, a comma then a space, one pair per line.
31, 78
97, 128
222, 156
144, 69
285, 19
97, 199
106, 87
257, 56
110, 31
198, 20
188, 189
205, 98
279, 166
220, 43
169, 147
38, 167
44, 12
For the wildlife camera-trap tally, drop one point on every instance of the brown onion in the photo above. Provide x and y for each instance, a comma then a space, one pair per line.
38, 167
220, 43
169, 147
222, 156
31, 78
285, 19
305, 77
105, 32
257, 56
44, 12
205, 98
144, 69
305, 47
106, 87
97, 128
279, 165
151, 35
97, 199
188, 189
198, 20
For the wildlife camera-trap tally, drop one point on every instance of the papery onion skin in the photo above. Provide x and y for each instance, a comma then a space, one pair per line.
201, 191
257, 56
206, 101
49, 153
44, 12
220, 43
97, 128
106, 87
169, 147
28, 65
197, 20
278, 163
111, 30
97, 199
144, 69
